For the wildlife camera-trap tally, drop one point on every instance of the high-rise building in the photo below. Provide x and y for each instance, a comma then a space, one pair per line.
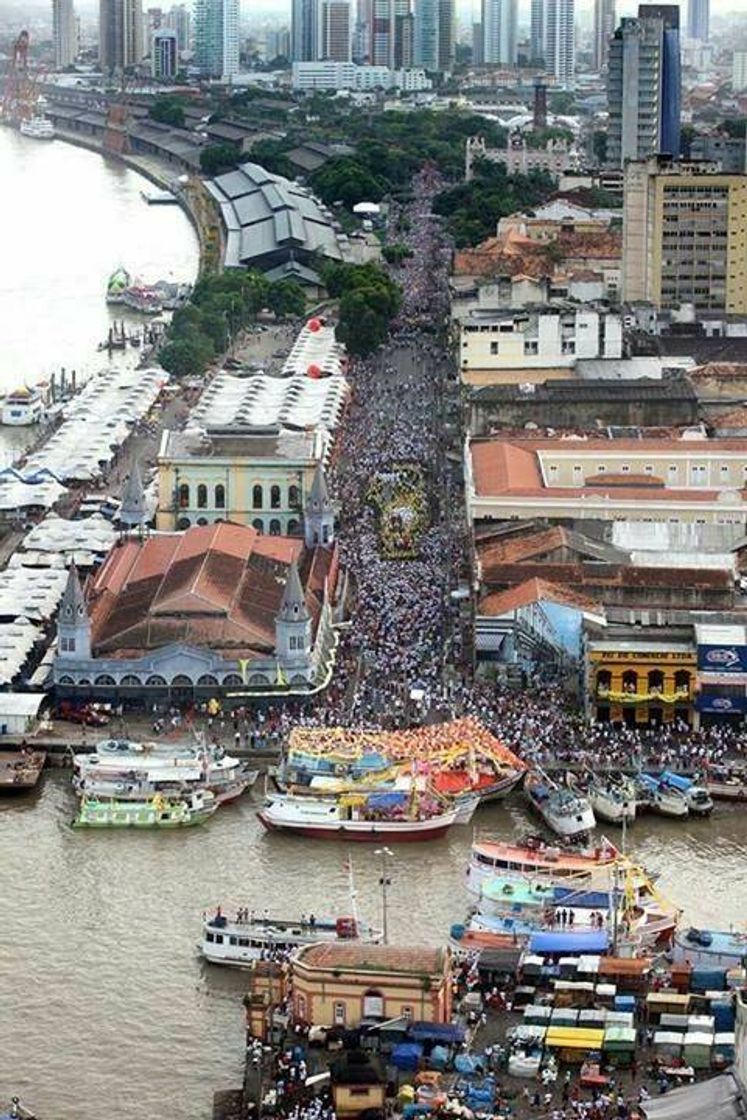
499, 21
537, 31
404, 34
739, 71
216, 38
178, 19
559, 50
426, 34
447, 35
277, 44
604, 29
335, 32
64, 33
382, 33
478, 51
697, 19
644, 85
120, 34
304, 31
164, 53
685, 235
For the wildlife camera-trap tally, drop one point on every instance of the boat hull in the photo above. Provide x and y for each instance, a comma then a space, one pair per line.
360, 831
728, 791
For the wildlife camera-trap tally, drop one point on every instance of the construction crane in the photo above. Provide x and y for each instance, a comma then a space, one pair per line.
19, 93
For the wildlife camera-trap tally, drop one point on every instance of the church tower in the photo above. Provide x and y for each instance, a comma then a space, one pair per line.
319, 516
293, 621
73, 625
132, 509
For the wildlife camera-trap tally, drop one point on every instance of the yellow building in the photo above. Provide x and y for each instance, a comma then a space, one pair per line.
341, 984
685, 235
635, 677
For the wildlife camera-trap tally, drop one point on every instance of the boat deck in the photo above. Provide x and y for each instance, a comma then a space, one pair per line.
20, 770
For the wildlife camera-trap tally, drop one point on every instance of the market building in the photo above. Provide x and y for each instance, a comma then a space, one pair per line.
342, 984
185, 616
641, 675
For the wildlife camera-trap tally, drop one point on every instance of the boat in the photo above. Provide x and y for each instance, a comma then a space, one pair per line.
158, 198
38, 127
123, 760
118, 282
536, 859
565, 811
22, 407
20, 769
612, 801
727, 783
141, 297
707, 948
17, 1111
699, 800
143, 784
158, 812
385, 816
249, 937
653, 794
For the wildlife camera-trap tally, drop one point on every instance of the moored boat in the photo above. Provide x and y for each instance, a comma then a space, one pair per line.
699, 800
380, 817
566, 812
159, 812
611, 801
655, 795
20, 769
537, 859
727, 783
708, 948
22, 407
249, 937
38, 127
122, 760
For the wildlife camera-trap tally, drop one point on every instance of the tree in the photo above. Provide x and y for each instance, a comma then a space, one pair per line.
395, 254
169, 110
344, 179
472, 209
286, 297
217, 158
369, 300
271, 154
599, 148
562, 103
735, 127
186, 356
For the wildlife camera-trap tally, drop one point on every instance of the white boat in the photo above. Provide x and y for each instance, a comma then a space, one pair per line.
22, 407
143, 784
378, 817
565, 811
249, 937
653, 794
699, 800
38, 128
125, 760
158, 812
612, 802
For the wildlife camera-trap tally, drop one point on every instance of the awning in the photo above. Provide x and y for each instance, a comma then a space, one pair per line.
593, 942
436, 1032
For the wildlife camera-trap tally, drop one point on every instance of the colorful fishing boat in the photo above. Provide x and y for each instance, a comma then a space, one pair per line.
537, 859
159, 812
384, 816
250, 937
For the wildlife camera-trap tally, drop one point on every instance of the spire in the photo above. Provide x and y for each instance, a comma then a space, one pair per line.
293, 604
73, 603
319, 494
132, 509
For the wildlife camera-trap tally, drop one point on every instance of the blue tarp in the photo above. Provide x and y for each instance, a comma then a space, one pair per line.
676, 781
371, 761
406, 1055
594, 942
648, 781
387, 800
436, 1032
465, 1063
439, 1058
594, 900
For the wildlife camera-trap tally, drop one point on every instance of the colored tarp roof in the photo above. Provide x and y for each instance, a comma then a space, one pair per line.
436, 1032
593, 942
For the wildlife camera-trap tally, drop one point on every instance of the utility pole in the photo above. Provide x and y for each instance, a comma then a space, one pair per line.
384, 882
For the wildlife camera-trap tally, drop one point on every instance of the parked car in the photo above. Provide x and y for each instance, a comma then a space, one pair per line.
85, 714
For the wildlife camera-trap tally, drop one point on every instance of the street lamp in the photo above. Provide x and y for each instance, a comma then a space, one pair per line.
384, 882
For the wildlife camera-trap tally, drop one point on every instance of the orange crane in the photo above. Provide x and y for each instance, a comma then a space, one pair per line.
19, 93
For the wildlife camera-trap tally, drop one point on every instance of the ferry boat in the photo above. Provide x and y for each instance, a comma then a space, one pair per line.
535, 858
249, 937
159, 812
699, 800
124, 760
38, 128
655, 795
565, 811
118, 282
385, 816
143, 784
611, 801
22, 407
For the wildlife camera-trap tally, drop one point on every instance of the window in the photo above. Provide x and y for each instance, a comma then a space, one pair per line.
493, 347
275, 497
625, 468
407, 1012
339, 1015
67, 645
274, 527
373, 1005
220, 496
724, 472
294, 497
258, 498
258, 524
531, 346
292, 527
202, 496
184, 495
300, 1005
648, 469
601, 468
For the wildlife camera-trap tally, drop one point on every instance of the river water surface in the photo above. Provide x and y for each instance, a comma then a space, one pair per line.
105, 1007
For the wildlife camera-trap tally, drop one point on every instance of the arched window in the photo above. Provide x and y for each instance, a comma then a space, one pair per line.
275, 497
656, 681
202, 496
181, 681
274, 527
220, 496
202, 520
604, 681
155, 681
184, 495
292, 526
373, 1004
682, 681
207, 681
258, 498
65, 680
257, 678
294, 497
630, 681
105, 680
129, 680
183, 523
231, 680
259, 524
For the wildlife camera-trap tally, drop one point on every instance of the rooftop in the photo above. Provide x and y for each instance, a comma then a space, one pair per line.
355, 957
498, 603
277, 444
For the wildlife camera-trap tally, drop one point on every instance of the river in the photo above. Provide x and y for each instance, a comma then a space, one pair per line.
104, 1004
68, 218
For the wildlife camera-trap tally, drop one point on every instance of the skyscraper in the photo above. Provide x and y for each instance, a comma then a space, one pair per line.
382, 33
304, 31
164, 53
604, 29
120, 34
560, 40
178, 19
404, 34
64, 33
644, 85
335, 32
499, 19
216, 39
697, 19
447, 34
426, 34
537, 30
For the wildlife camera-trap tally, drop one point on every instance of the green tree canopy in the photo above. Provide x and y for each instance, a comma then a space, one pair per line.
217, 158
168, 109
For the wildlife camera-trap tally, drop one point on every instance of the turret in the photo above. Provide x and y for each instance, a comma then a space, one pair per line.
293, 621
132, 509
319, 515
73, 625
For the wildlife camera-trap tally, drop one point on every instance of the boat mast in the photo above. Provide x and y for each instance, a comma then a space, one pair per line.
384, 882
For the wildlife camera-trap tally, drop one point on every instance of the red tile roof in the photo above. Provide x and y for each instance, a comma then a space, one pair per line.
354, 957
513, 549
498, 603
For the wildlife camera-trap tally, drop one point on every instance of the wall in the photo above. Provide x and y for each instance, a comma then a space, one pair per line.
316, 992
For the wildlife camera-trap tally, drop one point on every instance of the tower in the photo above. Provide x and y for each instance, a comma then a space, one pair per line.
304, 31
319, 516
216, 38
698, 20
64, 33
559, 30
120, 34
604, 29
132, 510
73, 625
293, 621
499, 19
